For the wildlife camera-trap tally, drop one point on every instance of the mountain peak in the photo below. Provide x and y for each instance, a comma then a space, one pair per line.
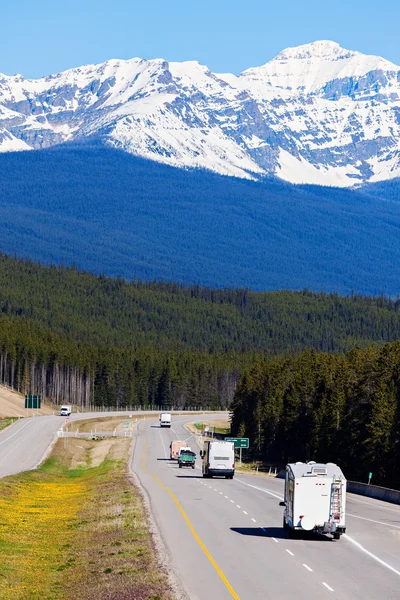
321, 49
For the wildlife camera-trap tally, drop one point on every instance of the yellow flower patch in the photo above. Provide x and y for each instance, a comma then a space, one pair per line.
37, 518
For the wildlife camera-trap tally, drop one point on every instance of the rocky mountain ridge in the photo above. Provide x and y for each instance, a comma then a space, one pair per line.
314, 114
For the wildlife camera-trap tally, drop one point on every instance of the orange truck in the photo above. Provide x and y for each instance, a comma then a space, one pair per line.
174, 448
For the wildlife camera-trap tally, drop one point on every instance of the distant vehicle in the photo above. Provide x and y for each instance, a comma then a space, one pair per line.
187, 458
165, 420
174, 449
315, 498
218, 459
65, 410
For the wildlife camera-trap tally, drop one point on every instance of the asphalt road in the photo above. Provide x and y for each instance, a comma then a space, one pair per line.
225, 537
226, 540
23, 444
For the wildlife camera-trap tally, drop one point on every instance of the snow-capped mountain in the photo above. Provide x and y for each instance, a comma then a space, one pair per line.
314, 114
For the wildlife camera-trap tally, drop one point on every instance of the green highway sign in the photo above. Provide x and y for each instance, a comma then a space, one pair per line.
32, 401
239, 442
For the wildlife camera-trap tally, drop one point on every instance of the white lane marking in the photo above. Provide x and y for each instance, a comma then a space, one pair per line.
254, 521
328, 587
221, 493
379, 560
289, 552
237, 505
15, 432
379, 504
13, 448
215, 490
275, 540
232, 502
245, 512
263, 528
172, 429
373, 521
280, 497
227, 497
307, 567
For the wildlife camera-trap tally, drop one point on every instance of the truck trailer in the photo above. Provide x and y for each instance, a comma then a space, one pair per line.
165, 420
174, 449
315, 498
218, 459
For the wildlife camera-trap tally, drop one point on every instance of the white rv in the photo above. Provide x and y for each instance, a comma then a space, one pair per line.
65, 410
218, 459
165, 420
315, 498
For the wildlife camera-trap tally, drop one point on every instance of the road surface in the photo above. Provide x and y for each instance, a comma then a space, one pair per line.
226, 539
23, 444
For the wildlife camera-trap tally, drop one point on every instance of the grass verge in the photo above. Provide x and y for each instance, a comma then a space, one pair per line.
6, 421
71, 530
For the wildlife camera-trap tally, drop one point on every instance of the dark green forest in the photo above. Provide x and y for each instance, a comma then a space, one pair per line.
306, 375
343, 408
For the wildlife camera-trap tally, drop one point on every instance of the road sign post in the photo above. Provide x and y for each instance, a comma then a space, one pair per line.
32, 401
369, 478
239, 443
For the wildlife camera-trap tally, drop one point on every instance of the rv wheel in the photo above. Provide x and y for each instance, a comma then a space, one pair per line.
336, 536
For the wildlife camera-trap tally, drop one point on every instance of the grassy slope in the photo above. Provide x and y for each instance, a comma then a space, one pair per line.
69, 530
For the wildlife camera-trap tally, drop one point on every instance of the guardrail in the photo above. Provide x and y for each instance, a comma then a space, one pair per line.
374, 491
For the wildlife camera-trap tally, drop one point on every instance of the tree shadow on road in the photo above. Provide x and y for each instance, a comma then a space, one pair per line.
189, 476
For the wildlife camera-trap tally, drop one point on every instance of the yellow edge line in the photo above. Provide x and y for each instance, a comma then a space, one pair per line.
192, 529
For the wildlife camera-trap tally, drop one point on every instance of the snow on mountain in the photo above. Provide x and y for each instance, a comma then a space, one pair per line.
314, 114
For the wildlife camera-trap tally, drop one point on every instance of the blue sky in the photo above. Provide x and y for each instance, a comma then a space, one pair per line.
42, 37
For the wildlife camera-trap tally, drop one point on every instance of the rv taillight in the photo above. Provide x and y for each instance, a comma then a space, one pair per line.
208, 465
301, 516
233, 465
337, 518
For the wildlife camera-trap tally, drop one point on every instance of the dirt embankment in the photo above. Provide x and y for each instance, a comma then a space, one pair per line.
12, 404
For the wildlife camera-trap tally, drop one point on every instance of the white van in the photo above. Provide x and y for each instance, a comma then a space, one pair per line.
218, 459
165, 420
65, 410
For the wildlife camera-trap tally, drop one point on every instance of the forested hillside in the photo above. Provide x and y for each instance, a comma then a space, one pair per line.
312, 375
120, 215
103, 311
343, 408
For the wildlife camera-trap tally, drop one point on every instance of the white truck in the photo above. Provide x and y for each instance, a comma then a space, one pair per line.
315, 498
65, 410
218, 459
165, 420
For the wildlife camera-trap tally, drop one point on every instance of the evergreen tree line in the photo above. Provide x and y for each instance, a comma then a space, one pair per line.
113, 312
343, 408
37, 361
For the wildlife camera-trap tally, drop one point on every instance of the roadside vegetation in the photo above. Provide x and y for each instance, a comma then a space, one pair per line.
76, 528
5, 422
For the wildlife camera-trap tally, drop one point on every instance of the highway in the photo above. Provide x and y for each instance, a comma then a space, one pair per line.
225, 537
